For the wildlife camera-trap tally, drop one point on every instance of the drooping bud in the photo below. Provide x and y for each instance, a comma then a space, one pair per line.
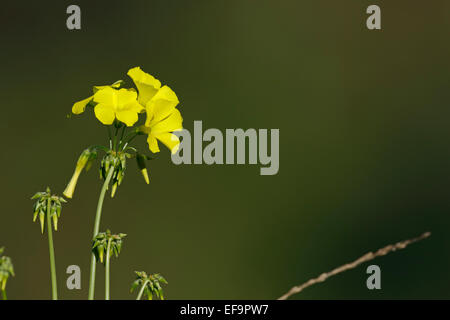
152, 285
84, 161
104, 241
115, 161
113, 190
42, 220
140, 158
55, 222
100, 252
35, 215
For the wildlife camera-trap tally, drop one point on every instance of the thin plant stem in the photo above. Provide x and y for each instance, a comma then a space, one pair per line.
115, 138
109, 136
52, 253
142, 290
96, 229
4, 295
131, 139
121, 137
108, 256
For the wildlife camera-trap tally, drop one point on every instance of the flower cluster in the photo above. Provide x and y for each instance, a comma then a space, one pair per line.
47, 204
119, 108
116, 162
105, 241
113, 103
150, 285
6, 269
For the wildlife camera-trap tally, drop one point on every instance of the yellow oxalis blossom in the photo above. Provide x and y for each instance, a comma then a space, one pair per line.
146, 84
162, 116
120, 104
80, 106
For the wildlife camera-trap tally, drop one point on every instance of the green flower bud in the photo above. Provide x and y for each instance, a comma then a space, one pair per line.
42, 220
55, 222
113, 190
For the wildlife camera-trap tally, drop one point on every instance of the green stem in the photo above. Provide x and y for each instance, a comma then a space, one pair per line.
4, 295
96, 228
109, 136
52, 252
115, 139
108, 256
129, 140
142, 290
121, 137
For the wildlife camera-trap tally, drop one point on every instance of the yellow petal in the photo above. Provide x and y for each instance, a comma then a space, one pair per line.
152, 144
125, 96
146, 84
135, 106
68, 192
106, 96
170, 140
78, 107
104, 113
129, 117
127, 107
161, 105
170, 124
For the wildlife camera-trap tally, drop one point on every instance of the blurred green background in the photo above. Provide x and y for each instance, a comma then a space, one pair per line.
364, 145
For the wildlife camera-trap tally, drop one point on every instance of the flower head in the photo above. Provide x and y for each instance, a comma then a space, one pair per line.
6, 269
160, 105
47, 204
146, 84
118, 104
112, 102
105, 241
150, 285
80, 106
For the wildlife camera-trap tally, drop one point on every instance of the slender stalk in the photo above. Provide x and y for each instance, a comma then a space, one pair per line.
52, 253
115, 139
109, 136
4, 295
142, 290
96, 229
129, 140
121, 137
108, 256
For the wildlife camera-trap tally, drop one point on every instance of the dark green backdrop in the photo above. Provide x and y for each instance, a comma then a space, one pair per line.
364, 144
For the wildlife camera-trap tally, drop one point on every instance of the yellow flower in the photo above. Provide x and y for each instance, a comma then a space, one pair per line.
83, 162
162, 116
120, 104
146, 84
80, 106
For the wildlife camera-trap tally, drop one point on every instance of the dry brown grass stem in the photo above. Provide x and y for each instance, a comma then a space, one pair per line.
367, 257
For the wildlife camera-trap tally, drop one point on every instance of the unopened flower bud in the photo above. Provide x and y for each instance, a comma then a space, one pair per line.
114, 189
142, 167
84, 161
42, 220
55, 222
